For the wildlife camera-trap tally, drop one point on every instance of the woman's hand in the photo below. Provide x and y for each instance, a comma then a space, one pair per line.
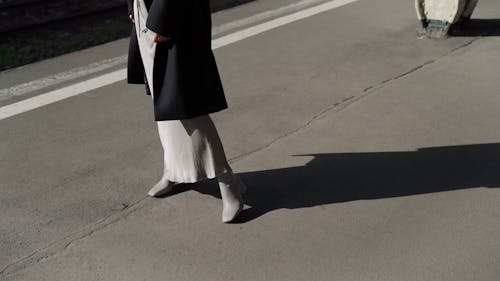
131, 17
160, 38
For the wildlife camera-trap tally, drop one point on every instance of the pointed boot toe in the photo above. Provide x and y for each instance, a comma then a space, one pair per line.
161, 188
231, 212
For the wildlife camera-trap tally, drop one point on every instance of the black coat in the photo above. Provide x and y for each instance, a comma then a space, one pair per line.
186, 79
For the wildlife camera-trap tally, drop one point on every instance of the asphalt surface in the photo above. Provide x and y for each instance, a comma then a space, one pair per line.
369, 154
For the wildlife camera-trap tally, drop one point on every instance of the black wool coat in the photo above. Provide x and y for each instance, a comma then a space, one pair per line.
186, 80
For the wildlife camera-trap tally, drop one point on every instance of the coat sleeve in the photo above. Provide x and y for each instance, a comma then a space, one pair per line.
163, 17
130, 4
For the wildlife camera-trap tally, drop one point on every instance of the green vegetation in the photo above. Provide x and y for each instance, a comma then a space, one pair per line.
54, 39
6, 54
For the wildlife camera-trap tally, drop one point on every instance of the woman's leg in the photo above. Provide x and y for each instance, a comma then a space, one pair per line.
193, 152
164, 185
231, 190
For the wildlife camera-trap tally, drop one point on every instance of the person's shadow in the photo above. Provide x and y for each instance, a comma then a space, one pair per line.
339, 177
475, 28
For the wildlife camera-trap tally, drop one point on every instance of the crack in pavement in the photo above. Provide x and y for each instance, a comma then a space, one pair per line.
342, 104
384, 82
59, 246
339, 106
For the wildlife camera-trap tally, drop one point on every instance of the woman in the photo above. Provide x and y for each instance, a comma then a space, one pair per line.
170, 52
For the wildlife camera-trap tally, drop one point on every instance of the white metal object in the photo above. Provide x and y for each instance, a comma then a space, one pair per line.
438, 15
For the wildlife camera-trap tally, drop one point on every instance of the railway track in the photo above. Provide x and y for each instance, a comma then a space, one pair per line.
33, 30
18, 14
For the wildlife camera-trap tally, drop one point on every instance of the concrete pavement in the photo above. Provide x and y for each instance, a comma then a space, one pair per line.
369, 153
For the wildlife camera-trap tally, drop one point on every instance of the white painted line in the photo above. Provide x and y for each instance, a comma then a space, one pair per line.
107, 79
272, 24
60, 94
260, 17
80, 72
56, 79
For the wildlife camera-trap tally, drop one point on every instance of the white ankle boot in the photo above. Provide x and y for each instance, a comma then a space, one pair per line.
231, 189
163, 187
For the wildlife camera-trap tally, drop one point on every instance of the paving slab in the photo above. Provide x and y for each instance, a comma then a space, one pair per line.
401, 184
369, 153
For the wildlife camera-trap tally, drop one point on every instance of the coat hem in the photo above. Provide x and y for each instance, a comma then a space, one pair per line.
189, 116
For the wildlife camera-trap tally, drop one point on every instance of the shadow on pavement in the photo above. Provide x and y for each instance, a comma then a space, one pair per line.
339, 177
476, 27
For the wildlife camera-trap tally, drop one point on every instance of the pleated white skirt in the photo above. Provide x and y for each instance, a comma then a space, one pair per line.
192, 147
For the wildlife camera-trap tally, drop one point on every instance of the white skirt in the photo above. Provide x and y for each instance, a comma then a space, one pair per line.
192, 147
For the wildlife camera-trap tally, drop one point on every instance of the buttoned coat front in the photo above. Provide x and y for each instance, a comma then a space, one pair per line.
186, 80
